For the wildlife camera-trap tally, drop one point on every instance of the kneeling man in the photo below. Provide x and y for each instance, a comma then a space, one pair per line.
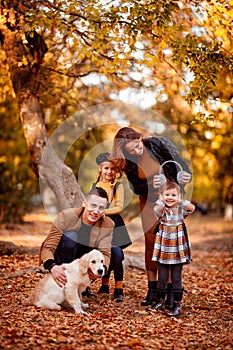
75, 232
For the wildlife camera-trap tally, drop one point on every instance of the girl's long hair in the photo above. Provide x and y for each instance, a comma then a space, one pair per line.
122, 137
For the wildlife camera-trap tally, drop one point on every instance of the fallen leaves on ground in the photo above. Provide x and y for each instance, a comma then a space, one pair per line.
206, 322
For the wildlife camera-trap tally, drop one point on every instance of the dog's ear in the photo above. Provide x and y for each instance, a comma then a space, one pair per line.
83, 264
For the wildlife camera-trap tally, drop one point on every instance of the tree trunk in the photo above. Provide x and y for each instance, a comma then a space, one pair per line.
24, 61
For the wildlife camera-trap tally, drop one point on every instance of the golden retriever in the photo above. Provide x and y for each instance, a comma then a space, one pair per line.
49, 295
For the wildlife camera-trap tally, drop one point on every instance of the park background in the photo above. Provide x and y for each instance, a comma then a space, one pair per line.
165, 67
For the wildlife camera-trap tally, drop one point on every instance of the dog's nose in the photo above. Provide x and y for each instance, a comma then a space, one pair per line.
100, 271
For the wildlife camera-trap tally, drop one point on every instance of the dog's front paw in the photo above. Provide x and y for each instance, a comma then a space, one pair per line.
85, 305
81, 312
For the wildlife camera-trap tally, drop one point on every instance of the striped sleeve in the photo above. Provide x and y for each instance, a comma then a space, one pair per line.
159, 209
187, 207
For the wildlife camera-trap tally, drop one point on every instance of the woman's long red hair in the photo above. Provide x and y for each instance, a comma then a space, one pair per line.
122, 137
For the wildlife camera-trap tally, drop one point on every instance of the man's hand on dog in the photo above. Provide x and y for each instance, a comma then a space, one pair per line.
58, 274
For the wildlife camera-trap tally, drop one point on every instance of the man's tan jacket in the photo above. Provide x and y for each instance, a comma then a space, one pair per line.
70, 220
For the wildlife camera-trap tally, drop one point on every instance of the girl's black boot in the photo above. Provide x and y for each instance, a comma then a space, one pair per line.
170, 297
176, 310
118, 295
159, 303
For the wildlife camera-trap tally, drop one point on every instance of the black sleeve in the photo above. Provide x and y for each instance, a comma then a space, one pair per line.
48, 264
164, 150
169, 152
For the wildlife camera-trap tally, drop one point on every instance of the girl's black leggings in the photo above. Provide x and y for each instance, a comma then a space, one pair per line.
116, 264
163, 275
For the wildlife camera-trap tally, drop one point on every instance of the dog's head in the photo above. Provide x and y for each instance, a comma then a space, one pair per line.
93, 263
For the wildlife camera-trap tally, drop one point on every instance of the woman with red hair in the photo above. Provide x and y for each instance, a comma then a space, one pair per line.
140, 158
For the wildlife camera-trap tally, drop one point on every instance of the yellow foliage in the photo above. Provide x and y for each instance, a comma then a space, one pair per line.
217, 142
163, 44
16, 160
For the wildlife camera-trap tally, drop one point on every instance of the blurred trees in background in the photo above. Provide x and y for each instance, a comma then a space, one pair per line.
18, 182
57, 58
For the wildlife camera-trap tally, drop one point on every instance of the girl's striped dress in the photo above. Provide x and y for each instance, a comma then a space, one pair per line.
171, 243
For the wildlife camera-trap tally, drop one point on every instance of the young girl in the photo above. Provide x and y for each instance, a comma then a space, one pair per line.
115, 191
171, 248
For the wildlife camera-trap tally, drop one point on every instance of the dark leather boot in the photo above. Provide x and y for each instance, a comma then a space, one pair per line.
104, 289
176, 310
151, 293
88, 293
160, 301
118, 295
159, 305
170, 297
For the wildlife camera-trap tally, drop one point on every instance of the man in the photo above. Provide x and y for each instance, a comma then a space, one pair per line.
75, 232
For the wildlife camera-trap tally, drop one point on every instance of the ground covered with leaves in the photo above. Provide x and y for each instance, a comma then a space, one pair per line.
206, 322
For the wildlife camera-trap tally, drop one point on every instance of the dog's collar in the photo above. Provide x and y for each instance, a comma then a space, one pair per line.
92, 276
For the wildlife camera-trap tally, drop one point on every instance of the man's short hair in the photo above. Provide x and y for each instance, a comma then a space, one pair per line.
98, 191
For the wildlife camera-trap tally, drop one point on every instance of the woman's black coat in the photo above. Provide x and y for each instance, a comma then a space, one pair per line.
161, 150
